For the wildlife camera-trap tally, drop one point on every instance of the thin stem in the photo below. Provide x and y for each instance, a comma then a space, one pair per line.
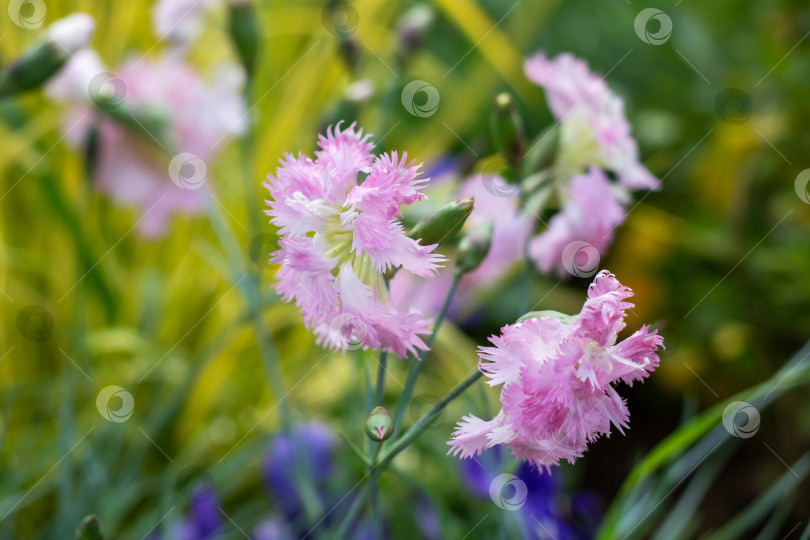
413, 433
376, 513
526, 278
381, 378
416, 364
343, 528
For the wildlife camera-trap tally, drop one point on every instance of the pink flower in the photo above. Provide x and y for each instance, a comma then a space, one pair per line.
594, 129
340, 236
511, 228
558, 380
130, 168
582, 231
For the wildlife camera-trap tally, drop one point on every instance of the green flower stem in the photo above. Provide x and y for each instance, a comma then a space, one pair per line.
416, 364
404, 398
376, 512
375, 446
381, 378
343, 528
249, 285
413, 433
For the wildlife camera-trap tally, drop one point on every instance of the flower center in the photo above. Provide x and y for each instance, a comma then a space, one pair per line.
339, 243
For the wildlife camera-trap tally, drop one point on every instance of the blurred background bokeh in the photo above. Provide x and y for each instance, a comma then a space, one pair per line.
718, 259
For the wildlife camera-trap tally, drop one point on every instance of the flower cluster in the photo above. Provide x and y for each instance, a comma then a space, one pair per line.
558, 378
339, 236
130, 166
594, 136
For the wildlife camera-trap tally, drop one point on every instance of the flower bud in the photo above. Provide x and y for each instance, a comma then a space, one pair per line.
542, 152
508, 131
355, 97
89, 529
38, 64
150, 122
412, 28
350, 52
379, 424
442, 226
473, 248
244, 29
71, 33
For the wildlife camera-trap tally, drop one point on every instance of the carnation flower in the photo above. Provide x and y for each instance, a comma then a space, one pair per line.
339, 236
591, 212
129, 166
558, 380
594, 129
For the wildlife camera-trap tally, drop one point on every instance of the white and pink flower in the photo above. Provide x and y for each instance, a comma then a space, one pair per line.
129, 167
340, 236
590, 214
594, 129
558, 380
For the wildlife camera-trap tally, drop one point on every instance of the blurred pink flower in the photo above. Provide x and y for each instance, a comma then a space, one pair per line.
558, 378
130, 168
338, 238
588, 111
584, 227
511, 229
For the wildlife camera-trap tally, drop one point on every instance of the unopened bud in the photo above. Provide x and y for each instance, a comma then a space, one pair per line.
542, 152
71, 33
508, 131
442, 226
355, 97
379, 424
473, 248
244, 29
38, 64
149, 121
350, 52
89, 529
412, 28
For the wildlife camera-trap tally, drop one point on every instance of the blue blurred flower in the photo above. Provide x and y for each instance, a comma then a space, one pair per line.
202, 523
547, 510
273, 529
309, 447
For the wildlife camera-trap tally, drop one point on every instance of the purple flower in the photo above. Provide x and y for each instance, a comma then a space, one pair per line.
203, 522
547, 511
309, 447
273, 529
